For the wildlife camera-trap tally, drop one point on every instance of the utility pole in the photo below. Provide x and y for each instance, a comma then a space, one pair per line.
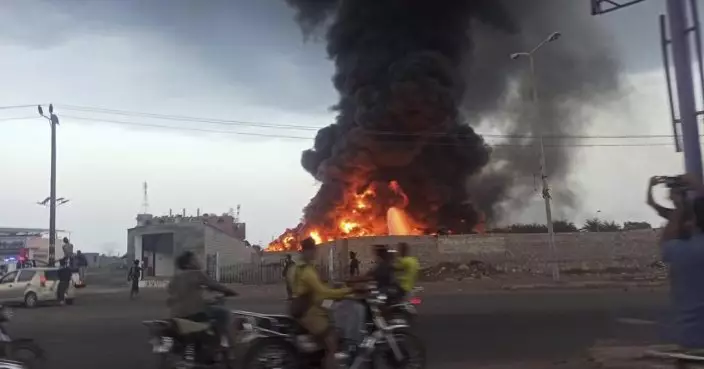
53, 122
543, 174
677, 12
681, 55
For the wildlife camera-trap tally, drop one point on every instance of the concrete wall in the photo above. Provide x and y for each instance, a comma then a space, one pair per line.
230, 249
187, 236
513, 252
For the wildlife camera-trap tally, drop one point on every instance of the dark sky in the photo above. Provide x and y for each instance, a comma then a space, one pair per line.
233, 38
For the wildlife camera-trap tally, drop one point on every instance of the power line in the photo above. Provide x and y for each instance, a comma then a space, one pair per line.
214, 131
18, 106
122, 122
257, 124
18, 118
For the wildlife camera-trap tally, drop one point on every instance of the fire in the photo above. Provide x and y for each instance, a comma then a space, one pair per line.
316, 236
363, 214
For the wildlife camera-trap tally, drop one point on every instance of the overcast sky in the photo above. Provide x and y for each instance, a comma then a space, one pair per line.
241, 60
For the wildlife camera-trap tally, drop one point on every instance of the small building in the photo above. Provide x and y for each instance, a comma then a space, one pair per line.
28, 243
157, 241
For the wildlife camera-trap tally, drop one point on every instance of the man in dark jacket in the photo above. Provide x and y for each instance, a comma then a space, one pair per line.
133, 276
64, 281
82, 264
288, 263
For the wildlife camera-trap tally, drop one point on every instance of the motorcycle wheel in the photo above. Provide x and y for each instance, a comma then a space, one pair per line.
271, 354
412, 350
28, 353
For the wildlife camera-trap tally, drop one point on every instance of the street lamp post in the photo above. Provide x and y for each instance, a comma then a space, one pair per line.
546, 189
53, 121
597, 220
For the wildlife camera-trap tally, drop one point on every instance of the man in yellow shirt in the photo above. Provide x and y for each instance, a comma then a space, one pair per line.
316, 318
407, 268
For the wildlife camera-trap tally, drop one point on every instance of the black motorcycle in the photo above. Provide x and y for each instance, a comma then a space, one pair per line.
18, 353
278, 341
405, 312
182, 343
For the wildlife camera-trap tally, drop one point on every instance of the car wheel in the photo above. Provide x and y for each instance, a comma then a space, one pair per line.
30, 300
69, 301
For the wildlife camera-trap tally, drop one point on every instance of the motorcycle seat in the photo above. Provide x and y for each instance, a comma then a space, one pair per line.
185, 326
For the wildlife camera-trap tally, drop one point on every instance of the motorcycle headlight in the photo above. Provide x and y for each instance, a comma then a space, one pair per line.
379, 299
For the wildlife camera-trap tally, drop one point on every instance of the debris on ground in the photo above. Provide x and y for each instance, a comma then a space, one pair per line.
473, 269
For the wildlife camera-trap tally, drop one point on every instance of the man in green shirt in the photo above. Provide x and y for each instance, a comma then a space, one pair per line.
407, 268
305, 281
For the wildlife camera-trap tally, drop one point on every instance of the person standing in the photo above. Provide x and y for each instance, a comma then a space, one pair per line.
354, 264
288, 263
67, 248
82, 264
682, 246
134, 276
64, 281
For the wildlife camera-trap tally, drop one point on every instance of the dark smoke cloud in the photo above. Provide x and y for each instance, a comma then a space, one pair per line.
409, 66
578, 71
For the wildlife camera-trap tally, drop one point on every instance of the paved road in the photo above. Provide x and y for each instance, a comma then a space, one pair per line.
103, 331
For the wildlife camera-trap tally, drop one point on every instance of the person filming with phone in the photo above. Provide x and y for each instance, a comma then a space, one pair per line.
682, 247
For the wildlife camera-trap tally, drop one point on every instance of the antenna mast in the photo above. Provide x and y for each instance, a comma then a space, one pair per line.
145, 199
237, 215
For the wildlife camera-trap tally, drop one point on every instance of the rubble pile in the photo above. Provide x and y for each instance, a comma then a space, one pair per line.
474, 269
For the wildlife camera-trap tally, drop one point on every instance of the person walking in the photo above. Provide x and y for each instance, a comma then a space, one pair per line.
64, 281
354, 264
134, 276
288, 263
82, 264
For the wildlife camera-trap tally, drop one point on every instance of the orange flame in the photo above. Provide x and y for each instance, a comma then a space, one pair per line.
362, 214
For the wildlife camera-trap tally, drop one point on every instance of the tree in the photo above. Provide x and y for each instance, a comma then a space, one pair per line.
630, 226
563, 226
598, 225
559, 226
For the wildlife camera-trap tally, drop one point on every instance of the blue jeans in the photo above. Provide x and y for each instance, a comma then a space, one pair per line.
350, 317
222, 327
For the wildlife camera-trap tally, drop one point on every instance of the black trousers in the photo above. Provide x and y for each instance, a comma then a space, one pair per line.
61, 290
135, 286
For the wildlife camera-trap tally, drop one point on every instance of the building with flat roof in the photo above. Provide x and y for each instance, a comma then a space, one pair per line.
29, 243
216, 240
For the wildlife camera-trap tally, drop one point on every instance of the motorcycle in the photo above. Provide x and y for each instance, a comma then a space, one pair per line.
406, 311
18, 353
278, 341
183, 343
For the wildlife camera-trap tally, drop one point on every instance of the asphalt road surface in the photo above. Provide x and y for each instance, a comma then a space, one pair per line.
104, 331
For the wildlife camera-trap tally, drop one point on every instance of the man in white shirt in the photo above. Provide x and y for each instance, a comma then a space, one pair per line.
67, 247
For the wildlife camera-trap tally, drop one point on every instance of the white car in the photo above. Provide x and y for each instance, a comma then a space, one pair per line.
31, 286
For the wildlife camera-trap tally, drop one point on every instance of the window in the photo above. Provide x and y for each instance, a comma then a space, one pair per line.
51, 275
26, 275
8, 278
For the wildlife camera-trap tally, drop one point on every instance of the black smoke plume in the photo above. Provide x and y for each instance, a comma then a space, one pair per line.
414, 74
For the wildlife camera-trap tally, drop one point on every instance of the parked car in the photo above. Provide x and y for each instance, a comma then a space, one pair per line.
31, 286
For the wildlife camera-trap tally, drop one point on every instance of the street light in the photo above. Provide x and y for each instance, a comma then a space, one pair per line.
597, 220
546, 189
53, 121
60, 201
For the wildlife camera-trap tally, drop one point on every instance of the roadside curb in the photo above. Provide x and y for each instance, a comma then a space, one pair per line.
585, 285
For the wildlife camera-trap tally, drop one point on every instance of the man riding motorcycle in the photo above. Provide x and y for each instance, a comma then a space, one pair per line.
186, 296
407, 267
309, 293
